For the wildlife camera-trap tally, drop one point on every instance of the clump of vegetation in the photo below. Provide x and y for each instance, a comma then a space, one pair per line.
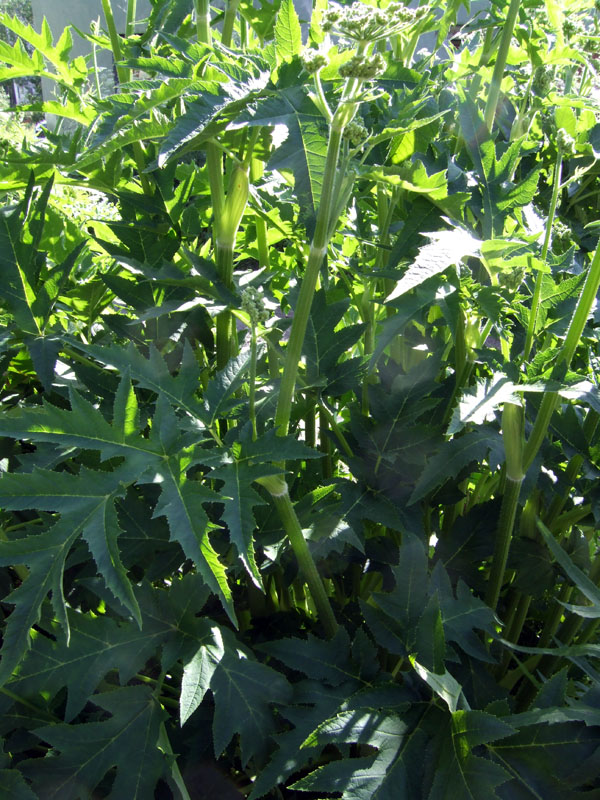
300, 437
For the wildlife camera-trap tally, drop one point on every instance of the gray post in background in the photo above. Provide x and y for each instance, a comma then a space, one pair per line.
81, 14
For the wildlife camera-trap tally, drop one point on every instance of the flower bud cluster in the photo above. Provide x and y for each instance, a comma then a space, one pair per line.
543, 79
363, 67
355, 132
561, 236
253, 304
362, 23
313, 60
565, 142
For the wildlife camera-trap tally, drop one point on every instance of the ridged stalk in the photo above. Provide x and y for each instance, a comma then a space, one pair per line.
229, 21
202, 12
278, 490
537, 292
498, 74
302, 311
512, 435
131, 14
123, 76
576, 326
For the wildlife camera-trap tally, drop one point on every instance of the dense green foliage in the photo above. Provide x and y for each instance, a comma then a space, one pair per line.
300, 443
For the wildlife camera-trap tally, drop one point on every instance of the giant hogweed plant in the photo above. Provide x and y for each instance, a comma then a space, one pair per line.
300, 427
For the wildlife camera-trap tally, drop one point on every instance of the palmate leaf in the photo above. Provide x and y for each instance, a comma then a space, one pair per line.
395, 773
447, 248
549, 761
304, 151
453, 456
100, 644
152, 373
14, 786
240, 499
323, 345
68, 71
495, 170
45, 554
313, 701
86, 503
181, 503
97, 645
82, 426
327, 661
83, 754
458, 772
243, 690
229, 99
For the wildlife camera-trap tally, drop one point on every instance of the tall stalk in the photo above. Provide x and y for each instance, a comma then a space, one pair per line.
576, 326
202, 13
498, 74
518, 457
318, 248
123, 76
537, 292
512, 435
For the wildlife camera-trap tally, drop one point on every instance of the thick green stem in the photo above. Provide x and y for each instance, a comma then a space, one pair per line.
225, 347
229, 21
498, 74
508, 512
324, 225
123, 76
537, 292
512, 436
202, 12
576, 326
307, 290
278, 490
252, 381
131, 14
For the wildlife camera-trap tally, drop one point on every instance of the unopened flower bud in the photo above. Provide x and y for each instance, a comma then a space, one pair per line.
253, 305
363, 67
565, 142
313, 60
355, 132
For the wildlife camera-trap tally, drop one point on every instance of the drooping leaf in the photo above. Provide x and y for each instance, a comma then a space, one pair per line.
587, 587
